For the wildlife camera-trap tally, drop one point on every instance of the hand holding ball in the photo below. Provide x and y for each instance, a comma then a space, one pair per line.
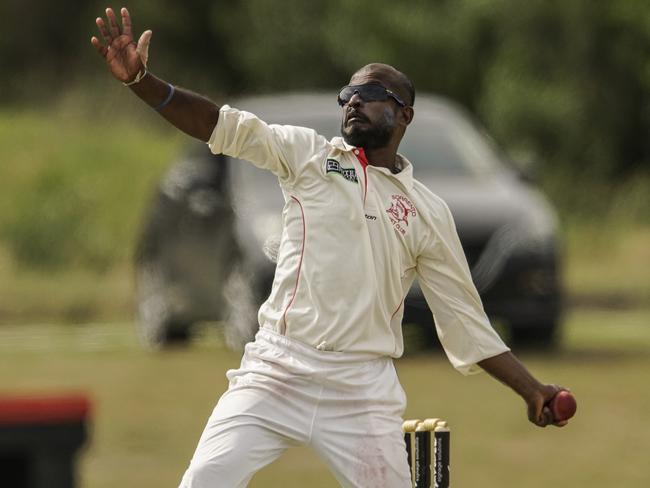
563, 406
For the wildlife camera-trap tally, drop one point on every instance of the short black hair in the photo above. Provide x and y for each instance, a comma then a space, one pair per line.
397, 79
408, 84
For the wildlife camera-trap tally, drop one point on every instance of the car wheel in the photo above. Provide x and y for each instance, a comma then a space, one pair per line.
157, 327
542, 335
242, 306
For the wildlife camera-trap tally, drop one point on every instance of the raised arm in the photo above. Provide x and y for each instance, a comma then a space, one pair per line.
192, 113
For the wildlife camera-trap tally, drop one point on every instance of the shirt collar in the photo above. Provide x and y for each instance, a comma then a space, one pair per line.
405, 176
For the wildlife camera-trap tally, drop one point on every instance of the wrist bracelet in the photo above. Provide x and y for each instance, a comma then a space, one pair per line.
141, 74
165, 102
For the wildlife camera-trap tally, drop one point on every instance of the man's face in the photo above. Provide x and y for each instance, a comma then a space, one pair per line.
370, 124
367, 124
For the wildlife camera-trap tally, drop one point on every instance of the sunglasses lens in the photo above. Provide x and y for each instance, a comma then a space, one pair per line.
345, 95
374, 93
368, 93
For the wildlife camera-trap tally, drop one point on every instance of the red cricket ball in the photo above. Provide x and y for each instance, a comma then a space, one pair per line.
563, 406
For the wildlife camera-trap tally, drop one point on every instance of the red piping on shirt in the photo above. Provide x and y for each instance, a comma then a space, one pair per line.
397, 309
361, 156
402, 302
302, 252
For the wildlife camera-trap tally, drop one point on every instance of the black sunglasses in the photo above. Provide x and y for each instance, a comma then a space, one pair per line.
370, 92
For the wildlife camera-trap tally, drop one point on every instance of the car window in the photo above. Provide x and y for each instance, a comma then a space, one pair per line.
447, 146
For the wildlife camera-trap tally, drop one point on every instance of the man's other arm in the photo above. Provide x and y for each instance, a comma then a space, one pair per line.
510, 371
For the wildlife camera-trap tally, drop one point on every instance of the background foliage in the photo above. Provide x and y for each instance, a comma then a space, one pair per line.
567, 81
563, 87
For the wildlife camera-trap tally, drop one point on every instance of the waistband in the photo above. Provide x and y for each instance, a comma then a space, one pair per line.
300, 349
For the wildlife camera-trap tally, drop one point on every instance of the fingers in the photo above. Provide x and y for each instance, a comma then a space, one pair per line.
536, 415
543, 416
538, 406
538, 412
112, 23
102, 50
126, 22
547, 417
110, 30
543, 419
101, 25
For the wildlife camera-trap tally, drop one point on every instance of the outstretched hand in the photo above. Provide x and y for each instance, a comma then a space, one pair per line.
124, 58
192, 113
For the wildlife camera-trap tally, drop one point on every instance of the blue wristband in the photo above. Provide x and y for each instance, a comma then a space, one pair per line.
165, 102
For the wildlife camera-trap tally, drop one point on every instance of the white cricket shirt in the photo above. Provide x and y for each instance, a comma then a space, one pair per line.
354, 238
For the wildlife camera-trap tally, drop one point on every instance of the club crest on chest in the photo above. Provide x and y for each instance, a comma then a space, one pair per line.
400, 211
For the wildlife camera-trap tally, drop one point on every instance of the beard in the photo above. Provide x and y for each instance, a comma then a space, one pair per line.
373, 136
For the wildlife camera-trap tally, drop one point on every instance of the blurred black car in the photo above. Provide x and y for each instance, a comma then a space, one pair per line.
209, 242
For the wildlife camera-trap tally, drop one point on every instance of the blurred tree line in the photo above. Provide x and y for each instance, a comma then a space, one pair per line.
568, 81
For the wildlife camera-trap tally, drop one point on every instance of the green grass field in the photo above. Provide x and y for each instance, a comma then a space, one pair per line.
150, 407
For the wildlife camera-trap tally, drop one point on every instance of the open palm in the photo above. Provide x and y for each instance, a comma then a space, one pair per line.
124, 58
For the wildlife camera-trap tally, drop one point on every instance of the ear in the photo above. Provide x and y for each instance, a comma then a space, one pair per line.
406, 115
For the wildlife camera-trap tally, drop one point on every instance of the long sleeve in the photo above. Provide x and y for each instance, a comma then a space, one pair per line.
283, 150
462, 325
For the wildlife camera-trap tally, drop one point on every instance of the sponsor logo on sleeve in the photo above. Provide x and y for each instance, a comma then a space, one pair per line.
400, 211
333, 166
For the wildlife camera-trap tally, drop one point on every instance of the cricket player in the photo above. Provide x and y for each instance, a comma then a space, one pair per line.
357, 230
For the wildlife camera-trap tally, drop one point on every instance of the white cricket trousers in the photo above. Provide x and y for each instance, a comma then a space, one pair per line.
346, 406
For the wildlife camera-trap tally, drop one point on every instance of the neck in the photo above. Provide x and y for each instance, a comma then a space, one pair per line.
384, 157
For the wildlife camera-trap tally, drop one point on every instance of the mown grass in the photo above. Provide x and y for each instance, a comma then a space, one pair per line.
151, 407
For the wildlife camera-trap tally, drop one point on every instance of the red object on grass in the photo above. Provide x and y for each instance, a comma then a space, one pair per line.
563, 406
43, 409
